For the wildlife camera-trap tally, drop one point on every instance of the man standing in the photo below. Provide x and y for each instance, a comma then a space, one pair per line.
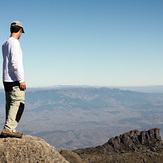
13, 80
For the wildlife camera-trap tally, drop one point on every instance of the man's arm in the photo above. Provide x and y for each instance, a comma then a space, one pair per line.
17, 64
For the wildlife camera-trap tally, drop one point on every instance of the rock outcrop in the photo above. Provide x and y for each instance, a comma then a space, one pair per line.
136, 141
72, 157
133, 146
29, 149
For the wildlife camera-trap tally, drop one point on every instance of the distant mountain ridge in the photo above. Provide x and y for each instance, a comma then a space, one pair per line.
145, 89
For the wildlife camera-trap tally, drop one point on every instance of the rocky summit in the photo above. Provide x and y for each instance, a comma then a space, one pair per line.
131, 147
29, 149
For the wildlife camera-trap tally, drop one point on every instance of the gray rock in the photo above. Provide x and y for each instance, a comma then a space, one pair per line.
29, 149
135, 139
71, 156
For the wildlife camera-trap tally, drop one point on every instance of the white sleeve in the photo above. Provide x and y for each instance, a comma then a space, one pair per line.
17, 62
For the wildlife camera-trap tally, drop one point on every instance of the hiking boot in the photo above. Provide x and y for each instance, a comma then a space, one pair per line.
11, 134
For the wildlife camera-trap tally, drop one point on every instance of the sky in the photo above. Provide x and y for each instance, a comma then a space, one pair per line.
88, 42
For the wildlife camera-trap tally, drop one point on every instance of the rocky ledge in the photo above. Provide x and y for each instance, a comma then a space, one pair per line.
28, 149
134, 146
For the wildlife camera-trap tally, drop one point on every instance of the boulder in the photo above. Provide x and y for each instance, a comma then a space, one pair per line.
28, 149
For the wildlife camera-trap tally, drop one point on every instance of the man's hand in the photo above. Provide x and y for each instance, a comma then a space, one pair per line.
23, 86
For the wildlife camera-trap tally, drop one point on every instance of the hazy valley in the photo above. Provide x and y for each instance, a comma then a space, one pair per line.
75, 118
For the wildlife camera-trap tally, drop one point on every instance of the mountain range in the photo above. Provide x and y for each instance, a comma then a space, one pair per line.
80, 117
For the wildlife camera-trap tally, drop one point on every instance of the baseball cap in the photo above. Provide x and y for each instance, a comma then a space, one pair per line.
17, 23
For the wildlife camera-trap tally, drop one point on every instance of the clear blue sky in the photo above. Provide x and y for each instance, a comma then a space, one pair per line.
88, 42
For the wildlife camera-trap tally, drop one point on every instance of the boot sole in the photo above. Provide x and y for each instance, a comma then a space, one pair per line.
10, 135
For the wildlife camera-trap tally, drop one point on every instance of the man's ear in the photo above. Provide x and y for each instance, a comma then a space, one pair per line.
20, 30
